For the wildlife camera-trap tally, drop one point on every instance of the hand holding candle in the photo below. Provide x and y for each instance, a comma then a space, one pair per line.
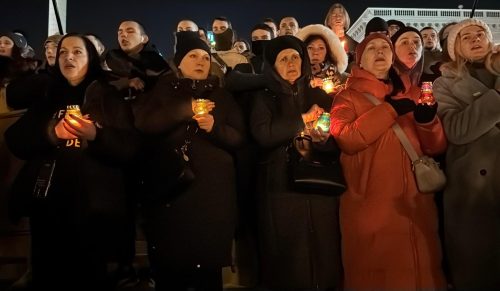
80, 126
202, 106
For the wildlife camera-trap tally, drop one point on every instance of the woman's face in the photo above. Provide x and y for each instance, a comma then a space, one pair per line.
317, 51
288, 64
409, 48
377, 58
473, 43
195, 65
6, 45
337, 19
240, 46
50, 53
73, 60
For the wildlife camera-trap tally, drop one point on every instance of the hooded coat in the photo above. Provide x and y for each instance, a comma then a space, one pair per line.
470, 112
299, 233
389, 229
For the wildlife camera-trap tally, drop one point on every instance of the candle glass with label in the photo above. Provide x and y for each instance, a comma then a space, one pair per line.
201, 106
72, 110
426, 95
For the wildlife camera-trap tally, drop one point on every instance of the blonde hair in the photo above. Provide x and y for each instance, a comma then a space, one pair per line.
460, 61
347, 21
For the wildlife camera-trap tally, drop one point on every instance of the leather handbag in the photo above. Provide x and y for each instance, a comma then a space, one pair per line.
313, 171
429, 176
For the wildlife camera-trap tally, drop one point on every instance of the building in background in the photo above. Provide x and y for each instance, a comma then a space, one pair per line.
423, 17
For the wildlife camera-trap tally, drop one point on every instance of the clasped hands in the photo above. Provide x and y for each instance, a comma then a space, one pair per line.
76, 127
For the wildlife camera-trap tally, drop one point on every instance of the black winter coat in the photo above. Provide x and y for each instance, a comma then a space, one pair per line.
76, 224
194, 226
299, 233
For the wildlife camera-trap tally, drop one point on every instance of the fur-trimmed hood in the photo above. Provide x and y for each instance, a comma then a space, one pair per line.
336, 51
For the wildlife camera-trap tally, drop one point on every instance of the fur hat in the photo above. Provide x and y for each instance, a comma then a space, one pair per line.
455, 30
187, 41
280, 43
376, 24
335, 49
360, 48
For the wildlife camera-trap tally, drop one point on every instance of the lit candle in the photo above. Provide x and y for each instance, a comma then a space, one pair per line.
201, 106
328, 85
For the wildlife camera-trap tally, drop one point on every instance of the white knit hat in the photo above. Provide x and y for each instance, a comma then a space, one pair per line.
455, 30
336, 51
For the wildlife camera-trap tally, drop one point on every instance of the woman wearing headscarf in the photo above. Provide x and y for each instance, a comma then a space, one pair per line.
389, 228
72, 185
299, 233
469, 106
327, 56
189, 228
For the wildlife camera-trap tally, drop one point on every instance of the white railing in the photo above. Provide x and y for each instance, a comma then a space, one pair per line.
422, 17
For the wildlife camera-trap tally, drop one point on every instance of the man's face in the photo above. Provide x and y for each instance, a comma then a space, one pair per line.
187, 25
393, 28
272, 25
50, 52
131, 38
430, 38
261, 34
288, 26
219, 26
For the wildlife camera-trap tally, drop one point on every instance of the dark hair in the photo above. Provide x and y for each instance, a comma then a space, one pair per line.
243, 41
428, 27
314, 37
94, 70
141, 26
263, 26
223, 18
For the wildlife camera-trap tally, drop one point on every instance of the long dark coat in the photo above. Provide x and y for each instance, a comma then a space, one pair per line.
74, 227
192, 228
299, 233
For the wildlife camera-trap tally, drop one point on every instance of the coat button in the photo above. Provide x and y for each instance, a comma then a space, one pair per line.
483, 172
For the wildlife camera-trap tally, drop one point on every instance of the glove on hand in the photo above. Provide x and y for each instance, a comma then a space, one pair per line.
425, 113
402, 106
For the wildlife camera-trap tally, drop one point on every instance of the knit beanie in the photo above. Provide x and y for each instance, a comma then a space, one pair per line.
360, 48
187, 41
395, 22
376, 24
455, 30
276, 45
18, 39
402, 30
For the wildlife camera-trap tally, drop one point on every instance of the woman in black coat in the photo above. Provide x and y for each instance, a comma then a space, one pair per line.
72, 185
189, 227
299, 232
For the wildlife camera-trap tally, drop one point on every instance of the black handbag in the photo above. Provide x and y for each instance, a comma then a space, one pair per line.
313, 171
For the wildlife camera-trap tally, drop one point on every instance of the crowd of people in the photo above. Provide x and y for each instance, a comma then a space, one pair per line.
196, 148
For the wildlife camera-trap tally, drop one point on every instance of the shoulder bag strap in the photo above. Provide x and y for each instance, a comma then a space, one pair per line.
398, 131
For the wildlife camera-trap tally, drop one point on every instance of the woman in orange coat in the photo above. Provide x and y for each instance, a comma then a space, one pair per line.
389, 229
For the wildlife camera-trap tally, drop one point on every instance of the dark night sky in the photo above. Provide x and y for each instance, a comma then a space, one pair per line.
160, 17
